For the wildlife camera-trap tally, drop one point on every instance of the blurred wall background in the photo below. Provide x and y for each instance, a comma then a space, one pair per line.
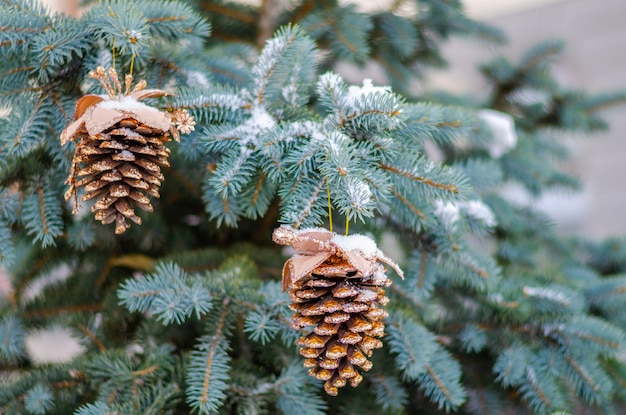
594, 60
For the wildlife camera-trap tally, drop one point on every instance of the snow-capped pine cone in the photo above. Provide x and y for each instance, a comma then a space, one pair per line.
120, 149
336, 285
120, 168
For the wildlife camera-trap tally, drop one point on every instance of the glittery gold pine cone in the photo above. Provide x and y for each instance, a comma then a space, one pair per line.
120, 168
336, 285
120, 149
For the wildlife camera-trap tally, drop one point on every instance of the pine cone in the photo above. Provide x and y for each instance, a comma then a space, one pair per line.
120, 149
336, 284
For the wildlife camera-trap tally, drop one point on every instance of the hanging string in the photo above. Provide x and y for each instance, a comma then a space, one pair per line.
132, 64
113, 54
330, 211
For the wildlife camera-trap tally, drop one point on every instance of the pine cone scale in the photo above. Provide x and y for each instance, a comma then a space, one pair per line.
136, 183
111, 176
129, 171
113, 145
337, 318
103, 203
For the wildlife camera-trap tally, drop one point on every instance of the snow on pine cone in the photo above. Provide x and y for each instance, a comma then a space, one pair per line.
337, 285
120, 149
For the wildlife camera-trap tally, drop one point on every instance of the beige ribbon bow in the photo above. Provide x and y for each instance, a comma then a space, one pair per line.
315, 246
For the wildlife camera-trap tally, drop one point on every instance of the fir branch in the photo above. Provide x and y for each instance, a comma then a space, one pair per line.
411, 175
257, 189
586, 334
412, 343
539, 386
92, 337
417, 212
441, 124
285, 61
438, 382
261, 326
306, 207
422, 273
122, 26
39, 399
441, 380
37, 266
260, 192
332, 88
231, 12
532, 377
56, 47
29, 127
120, 376
98, 408
225, 210
473, 338
168, 293
398, 33
466, 267
390, 393
174, 21
12, 335
212, 105
590, 388
551, 332
7, 247
68, 309
19, 24
42, 214
540, 55
353, 117
601, 101
231, 57
343, 28
59, 106
233, 172
208, 369
42, 210
296, 394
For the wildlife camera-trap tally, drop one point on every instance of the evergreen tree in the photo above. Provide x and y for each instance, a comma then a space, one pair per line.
185, 312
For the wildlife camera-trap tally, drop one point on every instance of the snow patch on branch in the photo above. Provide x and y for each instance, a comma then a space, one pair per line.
290, 94
331, 82
249, 132
260, 119
478, 210
134, 35
502, 129
449, 213
270, 55
359, 194
357, 95
305, 128
196, 79
548, 294
290, 91
230, 102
